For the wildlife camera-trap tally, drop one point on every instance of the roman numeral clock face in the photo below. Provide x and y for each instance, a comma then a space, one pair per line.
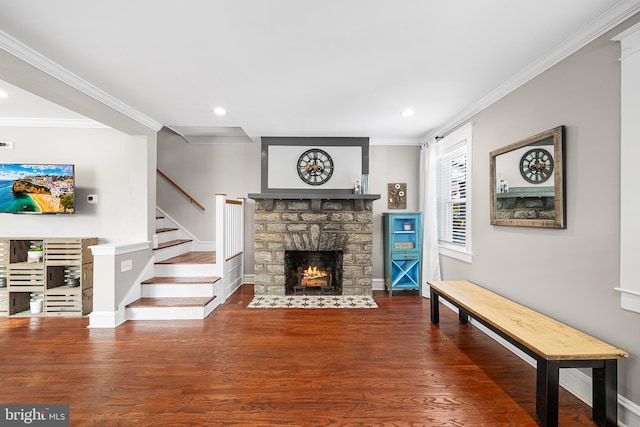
536, 166
315, 166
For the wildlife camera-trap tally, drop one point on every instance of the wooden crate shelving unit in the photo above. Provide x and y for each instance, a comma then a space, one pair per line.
62, 278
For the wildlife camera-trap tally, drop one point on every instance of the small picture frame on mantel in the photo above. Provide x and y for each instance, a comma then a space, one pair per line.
397, 195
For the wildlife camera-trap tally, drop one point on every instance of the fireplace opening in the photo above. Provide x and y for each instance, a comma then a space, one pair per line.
313, 272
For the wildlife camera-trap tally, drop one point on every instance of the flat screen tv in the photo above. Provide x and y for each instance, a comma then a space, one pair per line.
37, 188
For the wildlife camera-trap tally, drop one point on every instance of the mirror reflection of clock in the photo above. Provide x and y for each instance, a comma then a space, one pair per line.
315, 166
536, 165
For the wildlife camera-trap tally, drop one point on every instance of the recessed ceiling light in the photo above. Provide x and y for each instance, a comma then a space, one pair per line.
407, 112
220, 111
3, 94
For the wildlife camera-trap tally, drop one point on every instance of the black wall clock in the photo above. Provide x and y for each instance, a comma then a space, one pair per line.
536, 165
315, 166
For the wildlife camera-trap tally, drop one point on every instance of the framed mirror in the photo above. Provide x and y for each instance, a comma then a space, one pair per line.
527, 182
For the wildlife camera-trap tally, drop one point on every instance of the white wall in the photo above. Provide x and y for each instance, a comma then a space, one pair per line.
107, 163
569, 274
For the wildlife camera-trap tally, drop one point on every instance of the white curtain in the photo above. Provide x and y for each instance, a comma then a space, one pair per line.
428, 207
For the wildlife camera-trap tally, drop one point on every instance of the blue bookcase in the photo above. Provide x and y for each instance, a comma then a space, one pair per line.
402, 236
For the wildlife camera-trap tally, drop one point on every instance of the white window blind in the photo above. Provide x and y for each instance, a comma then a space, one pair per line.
452, 195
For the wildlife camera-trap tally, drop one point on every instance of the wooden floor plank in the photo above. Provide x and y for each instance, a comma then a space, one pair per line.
275, 367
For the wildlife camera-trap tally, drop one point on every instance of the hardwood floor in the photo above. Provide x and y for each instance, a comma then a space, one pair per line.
275, 367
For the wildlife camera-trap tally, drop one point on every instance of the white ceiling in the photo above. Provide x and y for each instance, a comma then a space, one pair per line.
300, 67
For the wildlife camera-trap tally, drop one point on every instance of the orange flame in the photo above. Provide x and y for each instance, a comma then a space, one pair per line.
313, 272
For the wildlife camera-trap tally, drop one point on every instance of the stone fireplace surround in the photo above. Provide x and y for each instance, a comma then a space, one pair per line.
298, 224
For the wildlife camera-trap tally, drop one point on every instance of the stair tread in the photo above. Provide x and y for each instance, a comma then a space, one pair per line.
165, 230
172, 280
204, 257
172, 302
173, 243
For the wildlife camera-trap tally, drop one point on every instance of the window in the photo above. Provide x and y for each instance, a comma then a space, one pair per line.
454, 194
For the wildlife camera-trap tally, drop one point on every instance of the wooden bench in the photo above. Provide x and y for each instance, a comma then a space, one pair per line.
554, 345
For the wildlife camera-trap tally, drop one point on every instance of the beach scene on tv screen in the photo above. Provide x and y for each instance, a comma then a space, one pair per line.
36, 188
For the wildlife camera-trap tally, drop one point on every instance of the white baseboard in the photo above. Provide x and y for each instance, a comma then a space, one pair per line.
628, 413
106, 319
574, 381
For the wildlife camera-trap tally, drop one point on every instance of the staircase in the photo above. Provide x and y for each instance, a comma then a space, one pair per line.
184, 285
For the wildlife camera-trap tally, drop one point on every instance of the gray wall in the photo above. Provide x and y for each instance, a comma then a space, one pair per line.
107, 162
567, 274
204, 170
391, 164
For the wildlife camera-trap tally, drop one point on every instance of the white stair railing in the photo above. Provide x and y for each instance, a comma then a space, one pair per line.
230, 243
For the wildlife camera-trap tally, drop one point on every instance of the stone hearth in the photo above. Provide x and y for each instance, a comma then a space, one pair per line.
313, 225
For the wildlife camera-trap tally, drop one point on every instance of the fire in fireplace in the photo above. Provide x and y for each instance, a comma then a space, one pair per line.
313, 272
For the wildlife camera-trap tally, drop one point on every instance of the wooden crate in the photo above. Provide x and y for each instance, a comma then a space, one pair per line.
64, 301
86, 279
4, 275
87, 300
26, 277
69, 251
4, 251
19, 248
4, 302
18, 302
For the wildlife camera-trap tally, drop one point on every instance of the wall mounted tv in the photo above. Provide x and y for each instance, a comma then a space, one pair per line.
37, 188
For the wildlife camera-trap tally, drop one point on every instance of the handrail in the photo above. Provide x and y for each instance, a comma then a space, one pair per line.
180, 189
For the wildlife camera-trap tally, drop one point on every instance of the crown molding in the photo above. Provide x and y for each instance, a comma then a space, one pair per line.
395, 141
44, 64
50, 123
606, 21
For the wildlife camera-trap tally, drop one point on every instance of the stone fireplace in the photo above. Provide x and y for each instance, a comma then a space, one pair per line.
323, 228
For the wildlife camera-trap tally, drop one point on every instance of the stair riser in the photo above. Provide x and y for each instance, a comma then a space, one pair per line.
167, 236
182, 290
161, 222
171, 313
185, 270
172, 251
157, 313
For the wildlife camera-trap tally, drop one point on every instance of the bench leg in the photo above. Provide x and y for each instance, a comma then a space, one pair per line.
463, 315
547, 379
605, 394
435, 308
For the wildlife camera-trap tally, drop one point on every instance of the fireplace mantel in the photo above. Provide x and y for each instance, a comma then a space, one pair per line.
314, 196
